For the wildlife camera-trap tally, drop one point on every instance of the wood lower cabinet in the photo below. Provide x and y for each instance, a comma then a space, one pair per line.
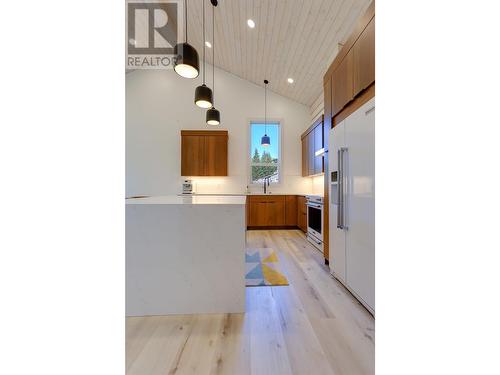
204, 153
272, 211
266, 211
291, 210
302, 213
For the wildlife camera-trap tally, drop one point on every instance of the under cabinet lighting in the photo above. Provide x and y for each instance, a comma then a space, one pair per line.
320, 152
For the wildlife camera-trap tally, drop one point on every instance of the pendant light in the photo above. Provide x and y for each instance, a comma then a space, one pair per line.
266, 140
187, 64
213, 115
203, 94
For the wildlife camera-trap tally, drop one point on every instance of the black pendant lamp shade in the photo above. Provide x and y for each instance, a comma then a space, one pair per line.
187, 63
203, 95
213, 116
266, 140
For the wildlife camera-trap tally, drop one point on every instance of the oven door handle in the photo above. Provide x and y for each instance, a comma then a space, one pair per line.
314, 206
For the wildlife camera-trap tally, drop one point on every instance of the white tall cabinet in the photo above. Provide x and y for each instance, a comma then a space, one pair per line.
352, 203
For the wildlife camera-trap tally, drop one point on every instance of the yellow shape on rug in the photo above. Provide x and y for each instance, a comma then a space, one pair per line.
273, 277
273, 258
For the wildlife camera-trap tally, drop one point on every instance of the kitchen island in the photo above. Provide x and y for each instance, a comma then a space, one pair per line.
185, 255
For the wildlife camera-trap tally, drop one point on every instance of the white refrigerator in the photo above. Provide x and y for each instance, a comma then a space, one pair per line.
351, 156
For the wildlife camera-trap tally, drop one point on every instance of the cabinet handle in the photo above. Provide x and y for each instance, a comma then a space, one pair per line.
368, 111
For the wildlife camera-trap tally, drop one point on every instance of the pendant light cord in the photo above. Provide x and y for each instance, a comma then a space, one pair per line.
265, 108
213, 55
186, 18
204, 68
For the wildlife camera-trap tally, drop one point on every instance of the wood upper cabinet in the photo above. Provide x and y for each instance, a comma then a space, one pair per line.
312, 141
364, 58
291, 210
305, 157
192, 155
342, 83
310, 157
216, 155
302, 213
204, 153
318, 145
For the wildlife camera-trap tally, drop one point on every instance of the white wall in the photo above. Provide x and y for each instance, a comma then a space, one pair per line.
159, 104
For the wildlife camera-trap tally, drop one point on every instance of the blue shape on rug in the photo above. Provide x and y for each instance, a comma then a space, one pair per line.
255, 273
252, 258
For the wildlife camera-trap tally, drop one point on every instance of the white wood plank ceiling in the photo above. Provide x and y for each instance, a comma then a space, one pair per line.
292, 39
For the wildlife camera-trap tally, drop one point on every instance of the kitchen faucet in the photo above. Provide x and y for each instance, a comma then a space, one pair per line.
266, 179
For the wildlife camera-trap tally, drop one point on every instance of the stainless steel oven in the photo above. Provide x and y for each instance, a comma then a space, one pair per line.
315, 221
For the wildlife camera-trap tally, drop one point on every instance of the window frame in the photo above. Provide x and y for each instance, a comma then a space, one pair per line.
273, 121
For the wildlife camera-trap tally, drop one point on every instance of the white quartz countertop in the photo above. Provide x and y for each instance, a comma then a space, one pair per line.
190, 199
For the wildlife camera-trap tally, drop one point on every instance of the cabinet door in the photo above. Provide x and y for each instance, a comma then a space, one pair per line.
216, 155
275, 211
364, 58
266, 211
193, 155
302, 213
257, 213
305, 157
291, 210
342, 83
310, 142
318, 145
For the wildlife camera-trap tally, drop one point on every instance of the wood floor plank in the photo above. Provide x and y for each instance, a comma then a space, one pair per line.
233, 346
159, 351
304, 350
197, 353
268, 354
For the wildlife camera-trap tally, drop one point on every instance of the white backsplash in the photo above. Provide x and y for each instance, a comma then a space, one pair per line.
318, 185
238, 184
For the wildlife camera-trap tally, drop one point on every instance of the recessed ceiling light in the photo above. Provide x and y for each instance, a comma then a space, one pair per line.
290, 80
208, 44
250, 23
132, 41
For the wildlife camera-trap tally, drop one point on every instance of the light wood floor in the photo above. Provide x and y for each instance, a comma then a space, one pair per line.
313, 326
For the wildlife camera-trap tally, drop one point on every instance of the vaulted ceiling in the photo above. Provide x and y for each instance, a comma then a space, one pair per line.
292, 39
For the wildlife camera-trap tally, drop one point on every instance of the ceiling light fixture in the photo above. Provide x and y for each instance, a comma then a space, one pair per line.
213, 115
266, 140
203, 94
187, 63
208, 44
290, 80
250, 23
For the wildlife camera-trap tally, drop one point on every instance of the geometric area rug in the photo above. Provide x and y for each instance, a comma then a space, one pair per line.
263, 268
